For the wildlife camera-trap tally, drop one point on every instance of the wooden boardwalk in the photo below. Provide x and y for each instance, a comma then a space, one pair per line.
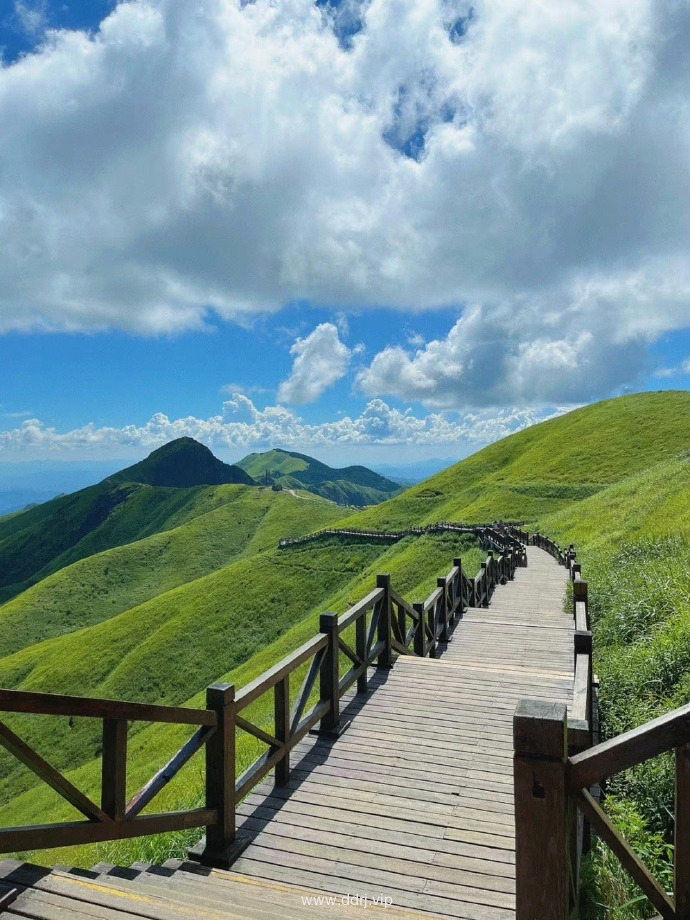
415, 800
413, 803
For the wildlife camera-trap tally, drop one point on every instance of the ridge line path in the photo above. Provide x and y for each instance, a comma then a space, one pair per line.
414, 802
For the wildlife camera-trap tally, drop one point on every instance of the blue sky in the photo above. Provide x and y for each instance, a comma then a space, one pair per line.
373, 232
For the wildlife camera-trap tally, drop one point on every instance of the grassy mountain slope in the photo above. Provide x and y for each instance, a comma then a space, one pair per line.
141, 500
633, 540
548, 466
44, 539
183, 463
241, 521
352, 485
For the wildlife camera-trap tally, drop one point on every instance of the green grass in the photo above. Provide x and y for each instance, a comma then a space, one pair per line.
44, 539
231, 522
548, 466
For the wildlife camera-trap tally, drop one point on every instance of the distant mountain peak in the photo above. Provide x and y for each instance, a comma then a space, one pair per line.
183, 463
351, 485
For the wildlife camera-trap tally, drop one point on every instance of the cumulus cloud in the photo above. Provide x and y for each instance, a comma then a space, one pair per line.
321, 359
217, 157
577, 343
243, 426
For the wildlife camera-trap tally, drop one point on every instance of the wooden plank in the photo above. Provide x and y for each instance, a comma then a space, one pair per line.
408, 846
394, 861
634, 747
52, 704
406, 891
19, 749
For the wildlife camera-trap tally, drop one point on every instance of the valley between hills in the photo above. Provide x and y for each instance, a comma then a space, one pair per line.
148, 588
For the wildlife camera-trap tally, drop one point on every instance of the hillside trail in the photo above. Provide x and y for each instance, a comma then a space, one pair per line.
407, 814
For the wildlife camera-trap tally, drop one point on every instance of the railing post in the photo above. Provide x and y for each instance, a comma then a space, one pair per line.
281, 705
385, 630
445, 634
330, 675
420, 631
221, 846
114, 769
361, 649
459, 600
541, 823
682, 833
485, 586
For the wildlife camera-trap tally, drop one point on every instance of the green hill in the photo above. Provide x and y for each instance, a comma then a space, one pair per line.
548, 466
351, 485
181, 464
144, 499
226, 523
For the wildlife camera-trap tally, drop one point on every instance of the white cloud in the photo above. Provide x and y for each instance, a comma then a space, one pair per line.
214, 156
243, 426
678, 371
32, 17
577, 343
321, 359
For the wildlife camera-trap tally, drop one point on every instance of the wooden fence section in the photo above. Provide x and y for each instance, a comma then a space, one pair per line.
115, 817
385, 627
555, 769
500, 534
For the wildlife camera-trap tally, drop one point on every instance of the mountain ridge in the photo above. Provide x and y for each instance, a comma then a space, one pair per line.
352, 485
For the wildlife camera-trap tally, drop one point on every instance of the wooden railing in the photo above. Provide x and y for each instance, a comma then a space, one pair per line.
556, 766
551, 788
373, 632
503, 534
115, 817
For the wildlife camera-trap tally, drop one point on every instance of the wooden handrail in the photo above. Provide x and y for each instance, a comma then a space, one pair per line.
499, 535
270, 678
51, 704
115, 818
629, 749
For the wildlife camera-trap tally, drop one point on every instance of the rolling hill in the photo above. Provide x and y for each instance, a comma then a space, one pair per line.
182, 464
351, 485
548, 466
143, 499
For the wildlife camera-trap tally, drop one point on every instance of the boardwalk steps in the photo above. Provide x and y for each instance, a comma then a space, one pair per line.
174, 891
